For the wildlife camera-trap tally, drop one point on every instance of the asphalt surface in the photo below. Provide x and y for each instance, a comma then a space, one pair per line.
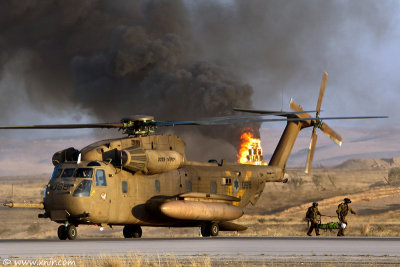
213, 247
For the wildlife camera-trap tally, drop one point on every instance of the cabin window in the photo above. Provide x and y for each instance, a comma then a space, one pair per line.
157, 185
83, 189
100, 178
124, 187
84, 173
226, 181
213, 187
68, 172
188, 186
56, 173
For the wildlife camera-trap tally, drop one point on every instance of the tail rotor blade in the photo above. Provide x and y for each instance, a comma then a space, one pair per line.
311, 151
294, 106
321, 91
332, 134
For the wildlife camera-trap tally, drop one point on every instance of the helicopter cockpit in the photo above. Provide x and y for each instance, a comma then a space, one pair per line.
65, 176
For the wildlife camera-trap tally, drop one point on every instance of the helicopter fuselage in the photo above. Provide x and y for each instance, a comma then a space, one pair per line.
99, 193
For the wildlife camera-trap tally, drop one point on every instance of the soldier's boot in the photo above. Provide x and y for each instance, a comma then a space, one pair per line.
340, 233
309, 231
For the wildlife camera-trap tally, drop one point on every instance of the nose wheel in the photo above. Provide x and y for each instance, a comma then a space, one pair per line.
132, 231
68, 231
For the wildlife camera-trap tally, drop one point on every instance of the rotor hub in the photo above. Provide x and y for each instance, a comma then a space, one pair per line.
138, 125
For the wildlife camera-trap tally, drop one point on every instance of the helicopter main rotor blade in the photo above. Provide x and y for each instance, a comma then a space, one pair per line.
270, 113
225, 122
65, 126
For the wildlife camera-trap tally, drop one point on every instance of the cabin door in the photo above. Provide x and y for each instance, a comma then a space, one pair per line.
101, 196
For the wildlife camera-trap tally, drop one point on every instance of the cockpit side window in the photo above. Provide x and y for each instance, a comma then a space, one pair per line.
67, 172
100, 178
56, 173
83, 189
84, 173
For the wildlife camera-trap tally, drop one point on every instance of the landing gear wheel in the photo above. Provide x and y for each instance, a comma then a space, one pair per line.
137, 232
62, 232
214, 229
72, 232
130, 231
205, 231
209, 229
127, 231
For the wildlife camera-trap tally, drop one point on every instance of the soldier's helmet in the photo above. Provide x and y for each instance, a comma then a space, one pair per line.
314, 204
347, 200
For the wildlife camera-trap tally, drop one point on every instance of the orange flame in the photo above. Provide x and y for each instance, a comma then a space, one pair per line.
250, 151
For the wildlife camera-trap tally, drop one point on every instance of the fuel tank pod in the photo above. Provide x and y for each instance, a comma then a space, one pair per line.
200, 211
151, 161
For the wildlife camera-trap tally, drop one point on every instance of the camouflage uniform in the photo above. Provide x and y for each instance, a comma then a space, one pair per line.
342, 211
311, 216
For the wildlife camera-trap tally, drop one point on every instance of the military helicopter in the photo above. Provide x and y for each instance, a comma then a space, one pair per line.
145, 179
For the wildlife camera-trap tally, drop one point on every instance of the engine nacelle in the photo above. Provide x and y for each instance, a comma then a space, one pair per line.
151, 161
69, 154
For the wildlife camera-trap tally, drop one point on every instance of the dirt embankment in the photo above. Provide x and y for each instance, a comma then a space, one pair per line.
369, 164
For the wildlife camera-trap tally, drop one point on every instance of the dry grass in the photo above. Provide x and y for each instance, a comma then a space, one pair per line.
168, 260
365, 229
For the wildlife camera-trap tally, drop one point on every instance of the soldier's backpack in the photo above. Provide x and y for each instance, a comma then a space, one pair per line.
309, 214
341, 210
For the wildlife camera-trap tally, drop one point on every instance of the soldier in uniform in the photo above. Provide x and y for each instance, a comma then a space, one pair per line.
311, 217
342, 211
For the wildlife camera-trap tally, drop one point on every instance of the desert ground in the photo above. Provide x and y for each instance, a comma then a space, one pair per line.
280, 210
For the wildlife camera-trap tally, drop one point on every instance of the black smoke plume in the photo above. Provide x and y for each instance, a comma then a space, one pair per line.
115, 59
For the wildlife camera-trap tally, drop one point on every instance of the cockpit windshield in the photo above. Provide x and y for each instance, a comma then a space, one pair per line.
68, 172
83, 189
56, 173
84, 173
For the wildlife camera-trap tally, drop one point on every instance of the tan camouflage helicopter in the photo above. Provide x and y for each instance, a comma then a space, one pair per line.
145, 179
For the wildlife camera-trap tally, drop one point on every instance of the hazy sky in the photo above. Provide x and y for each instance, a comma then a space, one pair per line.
282, 48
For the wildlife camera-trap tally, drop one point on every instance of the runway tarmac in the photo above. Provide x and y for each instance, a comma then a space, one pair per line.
214, 247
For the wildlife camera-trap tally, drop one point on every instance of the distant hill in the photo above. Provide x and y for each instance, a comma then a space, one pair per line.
369, 164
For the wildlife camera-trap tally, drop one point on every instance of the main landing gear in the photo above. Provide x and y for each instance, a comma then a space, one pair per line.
209, 229
134, 231
67, 231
